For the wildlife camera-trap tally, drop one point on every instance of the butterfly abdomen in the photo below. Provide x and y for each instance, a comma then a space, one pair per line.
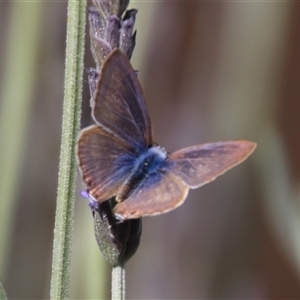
146, 164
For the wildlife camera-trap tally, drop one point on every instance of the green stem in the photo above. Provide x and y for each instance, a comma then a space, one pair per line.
118, 283
67, 167
2, 292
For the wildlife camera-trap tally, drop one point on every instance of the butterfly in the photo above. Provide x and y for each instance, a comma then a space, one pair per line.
118, 158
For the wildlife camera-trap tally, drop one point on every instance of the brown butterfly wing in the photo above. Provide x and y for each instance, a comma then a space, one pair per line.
118, 104
192, 167
103, 161
198, 165
158, 193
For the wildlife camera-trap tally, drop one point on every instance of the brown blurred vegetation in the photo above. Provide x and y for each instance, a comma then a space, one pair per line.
210, 71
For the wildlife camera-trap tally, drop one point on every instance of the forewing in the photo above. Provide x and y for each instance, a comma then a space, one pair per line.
118, 104
103, 161
159, 193
198, 165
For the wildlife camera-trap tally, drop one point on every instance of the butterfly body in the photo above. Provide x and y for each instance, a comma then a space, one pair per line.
117, 158
147, 163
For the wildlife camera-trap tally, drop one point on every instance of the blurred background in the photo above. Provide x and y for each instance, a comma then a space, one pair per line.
210, 71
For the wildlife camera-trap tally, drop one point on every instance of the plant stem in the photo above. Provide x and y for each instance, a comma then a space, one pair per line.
2, 292
118, 283
67, 167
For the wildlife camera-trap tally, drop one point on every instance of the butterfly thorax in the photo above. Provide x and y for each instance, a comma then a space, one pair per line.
146, 164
